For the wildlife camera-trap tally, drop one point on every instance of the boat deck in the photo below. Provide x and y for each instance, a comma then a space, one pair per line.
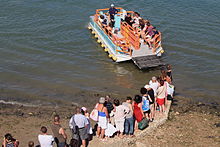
142, 55
143, 51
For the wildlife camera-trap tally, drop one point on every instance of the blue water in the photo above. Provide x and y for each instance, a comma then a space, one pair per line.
47, 53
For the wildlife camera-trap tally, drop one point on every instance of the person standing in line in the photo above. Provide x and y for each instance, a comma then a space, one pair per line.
146, 102
44, 139
103, 117
169, 72
138, 111
119, 113
86, 114
150, 92
59, 134
108, 104
129, 119
154, 84
164, 76
9, 141
81, 122
161, 96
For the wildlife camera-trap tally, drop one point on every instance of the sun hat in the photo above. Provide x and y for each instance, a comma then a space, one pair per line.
84, 109
147, 86
101, 100
112, 5
154, 78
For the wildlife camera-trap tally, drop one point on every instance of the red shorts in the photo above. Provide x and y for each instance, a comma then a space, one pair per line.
160, 101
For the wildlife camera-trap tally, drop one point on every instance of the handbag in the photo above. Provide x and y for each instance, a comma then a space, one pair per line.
144, 123
94, 115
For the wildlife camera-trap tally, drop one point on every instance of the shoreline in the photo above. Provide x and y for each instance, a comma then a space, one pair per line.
26, 121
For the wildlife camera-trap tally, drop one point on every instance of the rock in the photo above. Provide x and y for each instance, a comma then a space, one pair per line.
177, 113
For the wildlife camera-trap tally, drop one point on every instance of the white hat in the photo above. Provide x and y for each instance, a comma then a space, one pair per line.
147, 86
84, 109
154, 78
112, 5
101, 100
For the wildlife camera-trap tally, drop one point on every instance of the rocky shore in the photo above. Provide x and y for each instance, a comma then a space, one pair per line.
189, 124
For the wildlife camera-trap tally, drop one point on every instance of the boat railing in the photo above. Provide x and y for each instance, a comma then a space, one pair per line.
122, 45
130, 34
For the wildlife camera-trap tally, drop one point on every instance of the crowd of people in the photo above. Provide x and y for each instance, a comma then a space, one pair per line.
112, 118
142, 27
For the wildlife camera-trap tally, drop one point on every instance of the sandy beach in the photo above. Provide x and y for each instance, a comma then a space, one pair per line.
189, 124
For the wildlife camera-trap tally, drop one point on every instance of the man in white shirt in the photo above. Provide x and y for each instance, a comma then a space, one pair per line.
44, 139
79, 123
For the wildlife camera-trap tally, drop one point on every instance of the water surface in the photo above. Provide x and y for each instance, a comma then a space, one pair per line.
47, 53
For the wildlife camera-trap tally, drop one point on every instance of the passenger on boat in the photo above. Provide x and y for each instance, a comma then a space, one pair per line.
111, 24
145, 26
128, 19
146, 32
150, 31
155, 32
142, 24
104, 22
112, 11
136, 20
101, 19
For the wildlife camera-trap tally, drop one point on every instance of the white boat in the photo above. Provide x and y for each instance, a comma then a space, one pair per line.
124, 42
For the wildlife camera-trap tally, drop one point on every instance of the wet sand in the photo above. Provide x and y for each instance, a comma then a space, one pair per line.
189, 124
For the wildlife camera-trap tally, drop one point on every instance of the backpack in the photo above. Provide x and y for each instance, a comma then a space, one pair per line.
145, 103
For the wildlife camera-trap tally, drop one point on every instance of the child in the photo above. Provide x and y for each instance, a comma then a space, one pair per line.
146, 102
